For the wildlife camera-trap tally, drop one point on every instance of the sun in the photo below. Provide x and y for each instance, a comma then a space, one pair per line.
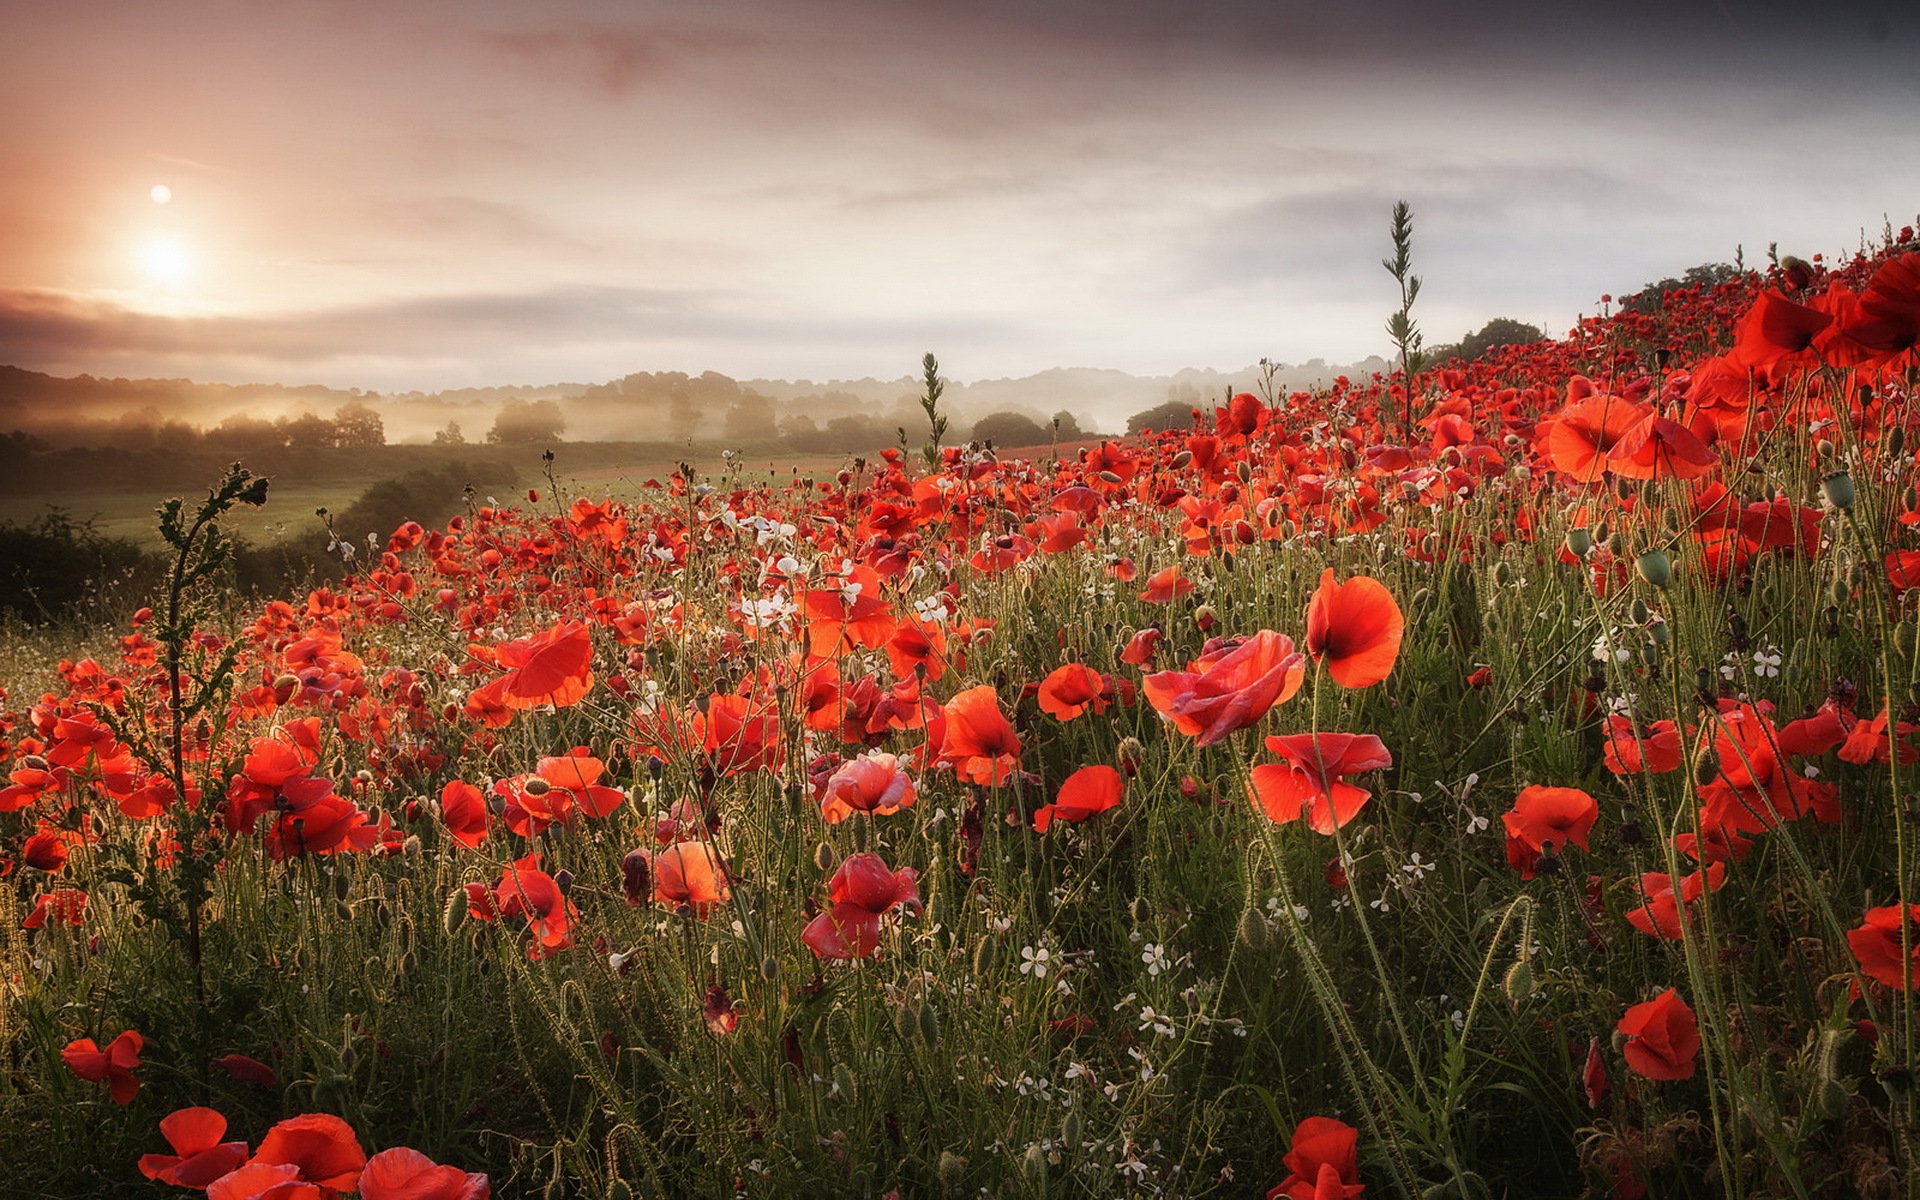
166, 261
161, 193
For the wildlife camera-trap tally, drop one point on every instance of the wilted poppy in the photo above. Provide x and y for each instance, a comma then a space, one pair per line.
1662, 1037
1355, 628
1228, 688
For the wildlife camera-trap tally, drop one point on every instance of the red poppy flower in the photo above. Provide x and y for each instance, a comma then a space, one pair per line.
199, 1156
247, 1070
861, 892
977, 739
1659, 916
1660, 448
404, 1174
1545, 819
1324, 1160
1656, 749
1662, 1037
1311, 782
1593, 1077
1164, 587
554, 667
873, 783
464, 810
1877, 945
1776, 329
320, 1146
1141, 646
1229, 688
1088, 791
743, 735
1355, 627
113, 1066
526, 891
266, 1181
1072, 690
691, 873
65, 906
1577, 440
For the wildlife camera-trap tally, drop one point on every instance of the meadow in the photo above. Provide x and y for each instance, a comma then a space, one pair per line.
1488, 780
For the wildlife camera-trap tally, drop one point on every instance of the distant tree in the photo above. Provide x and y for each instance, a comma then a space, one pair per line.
358, 424
1175, 414
1066, 427
1010, 429
450, 436
1501, 331
305, 432
1706, 276
802, 432
683, 416
752, 416
523, 421
241, 433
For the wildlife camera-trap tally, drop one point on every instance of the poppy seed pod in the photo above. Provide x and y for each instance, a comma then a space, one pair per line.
1655, 567
1638, 612
1579, 541
1837, 490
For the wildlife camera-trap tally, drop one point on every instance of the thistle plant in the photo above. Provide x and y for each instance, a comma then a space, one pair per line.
930, 404
1406, 335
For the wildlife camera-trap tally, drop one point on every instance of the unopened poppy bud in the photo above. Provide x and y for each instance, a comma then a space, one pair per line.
1706, 766
455, 911
1205, 617
1110, 477
411, 846
1823, 448
1244, 470
952, 1170
1253, 929
1129, 755
1906, 636
1579, 541
1655, 567
33, 762
1839, 591
1503, 574
363, 775
1631, 834
284, 686
843, 1082
1895, 441
1603, 533
1837, 490
769, 968
1033, 1166
1639, 612
1071, 1130
1245, 533
564, 881
1519, 981
1181, 460
824, 859
929, 1026
1661, 632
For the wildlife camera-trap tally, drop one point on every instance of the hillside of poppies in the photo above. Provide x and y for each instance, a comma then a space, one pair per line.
1498, 782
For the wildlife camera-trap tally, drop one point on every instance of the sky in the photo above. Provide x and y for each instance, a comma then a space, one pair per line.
451, 193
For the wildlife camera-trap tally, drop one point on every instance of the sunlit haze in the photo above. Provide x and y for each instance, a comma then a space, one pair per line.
437, 194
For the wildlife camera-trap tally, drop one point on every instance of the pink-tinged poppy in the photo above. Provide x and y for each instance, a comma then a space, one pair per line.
113, 1066
1230, 688
1311, 783
862, 891
1355, 628
1543, 821
1072, 690
319, 1146
1140, 648
1876, 944
1663, 1038
405, 1174
977, 738
464, 810
554, 667
719, 1011
1087, 792
873, 783
1324, 1160
693, 874
1164, 587
199, 1156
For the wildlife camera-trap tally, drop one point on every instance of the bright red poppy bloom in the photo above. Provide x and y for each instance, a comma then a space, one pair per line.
1543, 820
1579, 438
1086, 792
1166, 586
266, 1181
1659, 916
113, 1066
1311, 782
320, 1146
199, 1156
64, 906
1776, 329
977, 739
464, 810
1324, 1160
1656, 749
405, 1174
1877, 945
554, 667
1662, 1037
1657, 447
1229, 688
1072, 690
743, 734
873, 784
526, 891
1355, 628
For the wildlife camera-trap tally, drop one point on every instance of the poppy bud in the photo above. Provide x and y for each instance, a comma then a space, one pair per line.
1579, 541
1129, 755
769, 968
1519, 981
1503, 574
1033, 1167
1661, 633
824, 859
1837, 490
1071, 1131
1181, 460
283, 687
1639, 612
1253, 929
1631, 834
1110, 477
1650, 654
564, 881
1205, 617
1823, 448
1905, 637
952, 1170
1244, 470
1655, 567
1603, 533
929, 1026
1895, 442
1706, 766
1839, 591
33, 762
455, 912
